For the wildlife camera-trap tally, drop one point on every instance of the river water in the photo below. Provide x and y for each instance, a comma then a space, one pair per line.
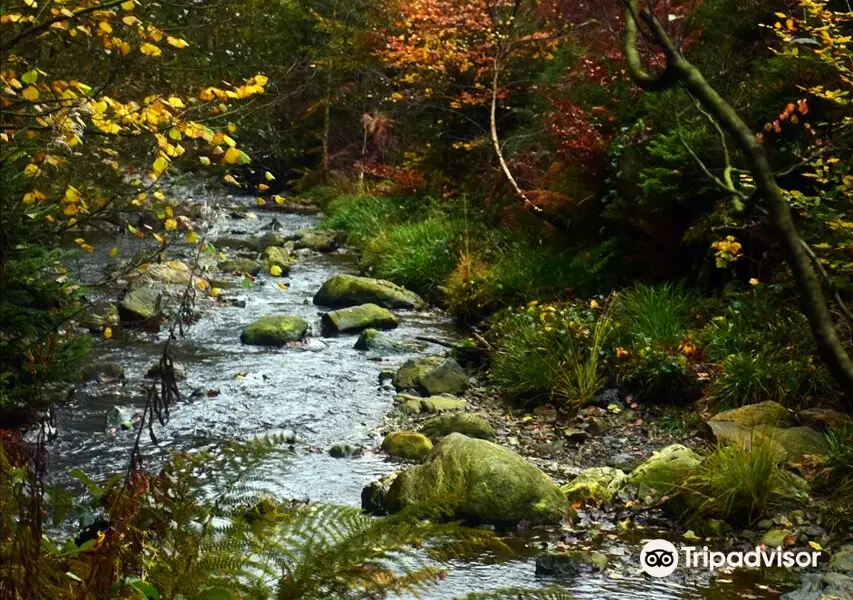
323, 395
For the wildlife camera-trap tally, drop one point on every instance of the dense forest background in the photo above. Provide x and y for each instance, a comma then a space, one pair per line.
652, 195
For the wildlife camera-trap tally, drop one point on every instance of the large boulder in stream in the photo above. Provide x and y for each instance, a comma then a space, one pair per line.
348, 290
431, 376
763, 413
479, 481
358, 318
274, 330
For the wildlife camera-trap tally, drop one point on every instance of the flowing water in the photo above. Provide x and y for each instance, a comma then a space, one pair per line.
324, 393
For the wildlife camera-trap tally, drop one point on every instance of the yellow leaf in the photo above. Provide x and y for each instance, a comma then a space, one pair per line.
176, 102
176, 42
170, 224
129, 5
70, 210
815, 546
114, 252
108, 333
269, 176
215, 292
159, 238
160, 165
104, 26
192, 237
261, 80
204, 160
275, 271
30, 93
282, 285
263, 187
260, 201
278, 199
235, 156
229, 141
150, 49
230, 179
32, 170
72, 194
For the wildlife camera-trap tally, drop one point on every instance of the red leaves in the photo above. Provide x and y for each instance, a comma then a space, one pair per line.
579, 134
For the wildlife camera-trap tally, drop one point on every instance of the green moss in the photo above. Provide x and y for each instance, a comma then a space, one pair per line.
347, 290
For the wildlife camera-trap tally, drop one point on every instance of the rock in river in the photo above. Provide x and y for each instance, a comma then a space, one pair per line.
277, 256
140, 305
358, 318
348, 290
431, 375
376, 341
320, 240
238, 266
481, 482
408, 445
274, 330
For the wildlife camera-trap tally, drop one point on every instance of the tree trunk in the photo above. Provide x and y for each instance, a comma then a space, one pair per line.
812, 299
554, 220
327, 107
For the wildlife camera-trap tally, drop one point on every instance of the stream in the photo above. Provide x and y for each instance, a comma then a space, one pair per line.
323, 393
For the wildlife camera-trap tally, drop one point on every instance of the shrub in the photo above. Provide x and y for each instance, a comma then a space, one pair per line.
419, 255
581, 378
743, 484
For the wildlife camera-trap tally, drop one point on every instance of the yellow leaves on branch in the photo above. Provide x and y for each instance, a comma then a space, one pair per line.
233, 156
150, 49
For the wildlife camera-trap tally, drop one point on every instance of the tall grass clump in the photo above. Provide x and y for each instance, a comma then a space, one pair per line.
581, 377
551, 351
744, 484
420, 255
657, 314
361, 216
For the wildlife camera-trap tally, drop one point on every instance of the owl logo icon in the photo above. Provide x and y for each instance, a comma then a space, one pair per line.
659, 558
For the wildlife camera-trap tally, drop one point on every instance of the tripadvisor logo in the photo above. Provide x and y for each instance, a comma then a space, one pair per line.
660, 558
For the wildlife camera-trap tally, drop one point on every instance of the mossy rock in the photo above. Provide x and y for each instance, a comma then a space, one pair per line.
775, 538
407, 445
431, 375
482, 482
432, 404
321, 240
345, 451
795, 442
665, 471
274, 330
238, 266
349, 290
173, 272
358, 318
825, 418
467, 424
375, 341
140, 305
763, 413
596, 485
276, 256
373, 494
235, 243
